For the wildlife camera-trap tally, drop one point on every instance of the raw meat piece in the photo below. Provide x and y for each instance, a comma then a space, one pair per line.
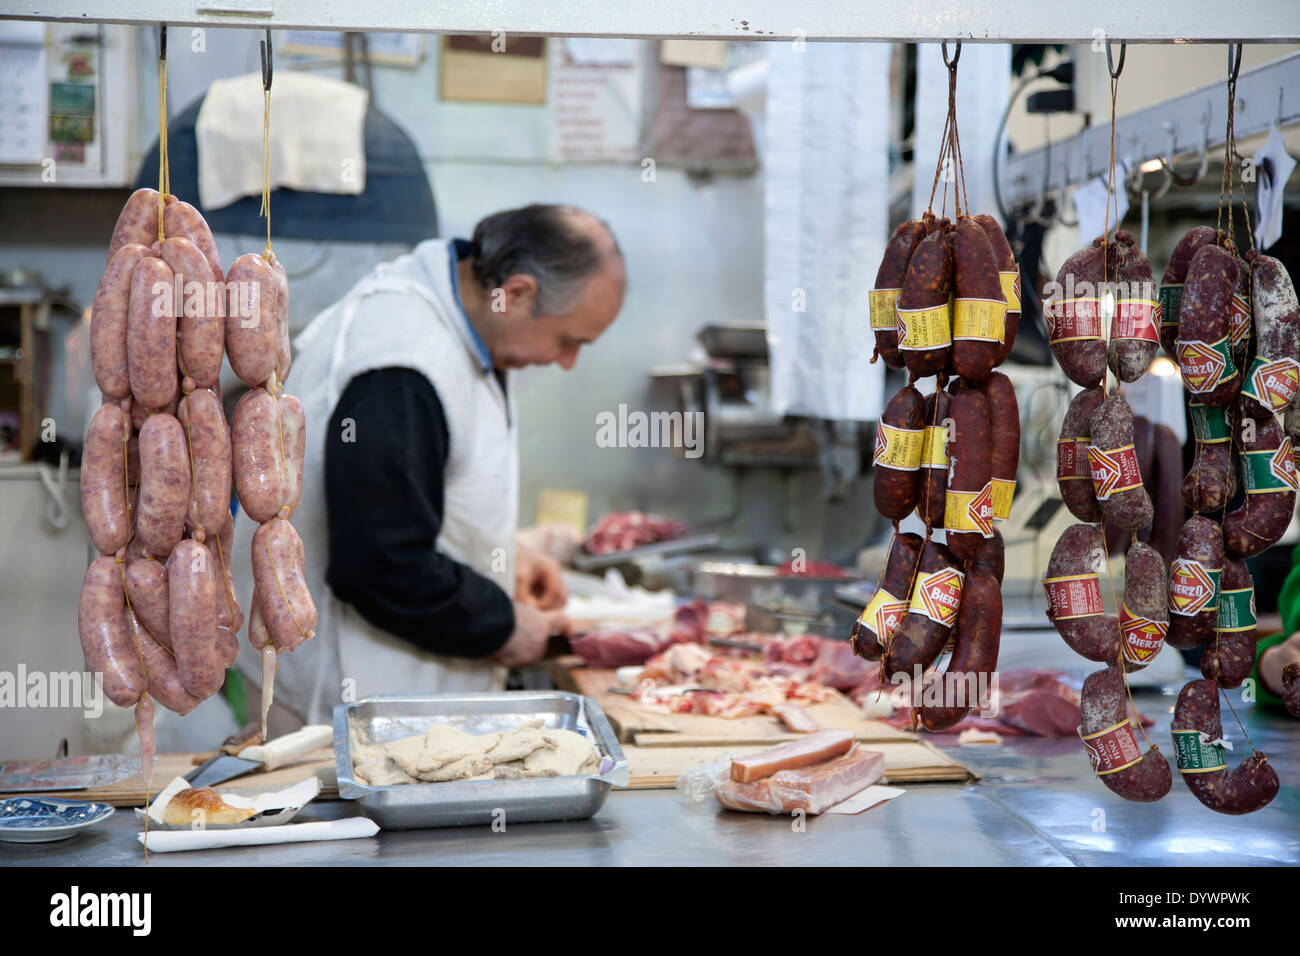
622, 531
796, 718
620, 648
1041, 713
815, 748
811, 789
837, 666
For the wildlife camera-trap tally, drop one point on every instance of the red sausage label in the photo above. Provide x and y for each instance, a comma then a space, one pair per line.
1272, 384
1238, 319
1136, 319
1111, 750
1072, 458
1193, 588
1072, 319
1073, 595
1114, 471
1268, 472
1140, 637
882, 615
1205, 364
938, 595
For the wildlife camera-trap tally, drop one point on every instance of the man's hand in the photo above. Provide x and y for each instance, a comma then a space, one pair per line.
538, 581
1273, 660
533, 628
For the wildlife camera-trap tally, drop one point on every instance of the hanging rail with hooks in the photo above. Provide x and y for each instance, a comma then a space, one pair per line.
1189, 125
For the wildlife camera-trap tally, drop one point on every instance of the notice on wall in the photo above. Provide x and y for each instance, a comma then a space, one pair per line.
596, 99
23, 93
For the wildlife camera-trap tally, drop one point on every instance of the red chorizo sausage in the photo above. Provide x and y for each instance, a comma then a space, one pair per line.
872, 630
1004, 422
924, 314
921, 636
934, 460
979, 309
975, 656
968, 511
1212, 480
889, 283
1009, 278
897, 456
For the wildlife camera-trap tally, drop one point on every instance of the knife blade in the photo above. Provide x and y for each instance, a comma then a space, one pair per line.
269, 756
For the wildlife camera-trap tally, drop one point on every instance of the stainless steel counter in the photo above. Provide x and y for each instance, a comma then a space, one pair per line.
1037, 805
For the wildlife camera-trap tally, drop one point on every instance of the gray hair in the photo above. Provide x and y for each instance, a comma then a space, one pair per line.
542, 241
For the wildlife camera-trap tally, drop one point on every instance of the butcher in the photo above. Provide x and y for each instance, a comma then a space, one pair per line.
410, 495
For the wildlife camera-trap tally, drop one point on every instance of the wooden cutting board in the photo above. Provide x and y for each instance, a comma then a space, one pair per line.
654, 768
130, 791
634, 723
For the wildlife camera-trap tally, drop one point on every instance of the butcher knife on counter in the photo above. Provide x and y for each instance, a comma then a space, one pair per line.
268, 756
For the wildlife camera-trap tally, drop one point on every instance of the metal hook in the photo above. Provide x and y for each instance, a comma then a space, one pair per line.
950, 64
1203, 159
1234, 64
267, 64
1110, 66
162, 41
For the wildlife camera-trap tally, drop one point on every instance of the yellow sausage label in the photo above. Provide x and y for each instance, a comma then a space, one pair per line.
934, 447
1003, 493
937, 595
1011, 288
883, 302
898, 448
970, 511
883, 614
924, 328
982, 320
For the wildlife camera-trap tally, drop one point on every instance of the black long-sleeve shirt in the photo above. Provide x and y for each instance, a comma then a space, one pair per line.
385, 453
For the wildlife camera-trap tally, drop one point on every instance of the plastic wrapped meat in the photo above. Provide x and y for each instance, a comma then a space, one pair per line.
811, 789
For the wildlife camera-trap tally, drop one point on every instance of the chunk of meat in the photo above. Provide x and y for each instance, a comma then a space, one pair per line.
811, 789
796, 718
566, 758
444, 745
815, 748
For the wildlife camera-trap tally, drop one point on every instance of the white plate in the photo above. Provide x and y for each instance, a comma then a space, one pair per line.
44, 820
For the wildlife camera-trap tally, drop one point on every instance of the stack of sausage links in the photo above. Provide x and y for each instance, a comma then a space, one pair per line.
159, 616
1206, 597
946, 304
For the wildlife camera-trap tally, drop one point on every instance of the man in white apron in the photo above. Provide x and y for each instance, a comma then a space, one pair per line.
410, 489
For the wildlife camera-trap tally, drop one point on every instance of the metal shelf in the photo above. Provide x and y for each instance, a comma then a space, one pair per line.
993, 21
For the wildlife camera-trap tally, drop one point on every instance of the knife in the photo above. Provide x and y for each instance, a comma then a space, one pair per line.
277, 753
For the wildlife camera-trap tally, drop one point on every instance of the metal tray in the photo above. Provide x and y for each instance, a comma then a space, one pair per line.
479, 802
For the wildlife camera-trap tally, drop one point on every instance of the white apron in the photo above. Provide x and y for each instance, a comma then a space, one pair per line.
404, 314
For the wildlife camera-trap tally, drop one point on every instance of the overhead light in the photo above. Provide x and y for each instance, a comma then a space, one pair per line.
1151, 166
